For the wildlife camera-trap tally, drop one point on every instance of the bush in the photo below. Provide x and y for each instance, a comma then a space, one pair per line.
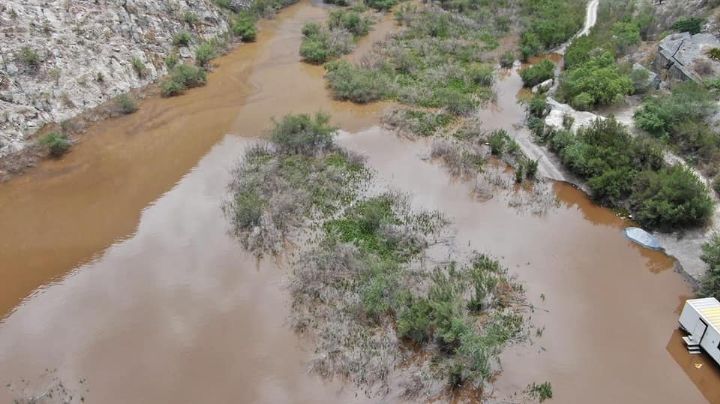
139, 67
550, 23
414, 322
126, 104
320, 45
716, 185
507, 60
381, 5
303, 134
670, 198
537, 73
714, 53
171, 60
538, 106
191, 18
30, 58
692, 25
498, 141
244, 27
57, 143
205, 53
596, 82
625, 35
182, 77
351, 21
182, 38
481, 75
351, 83
710, 281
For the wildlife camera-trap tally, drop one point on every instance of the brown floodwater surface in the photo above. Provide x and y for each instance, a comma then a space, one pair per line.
62, 213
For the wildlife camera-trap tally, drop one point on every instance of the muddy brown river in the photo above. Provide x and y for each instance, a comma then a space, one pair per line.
117, 270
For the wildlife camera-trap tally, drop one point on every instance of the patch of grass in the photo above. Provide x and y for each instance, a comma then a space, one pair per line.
171, 60
182, 77
182, 38
57, 143
191, 18
30, 58
139, 67
352, 21
418, 122
537, 73
126, 104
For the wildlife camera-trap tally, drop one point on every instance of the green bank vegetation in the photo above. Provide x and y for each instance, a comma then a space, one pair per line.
710, 282
680, 120
549, 23
242, 23
56, 143
361, 285
628, 173
592, 77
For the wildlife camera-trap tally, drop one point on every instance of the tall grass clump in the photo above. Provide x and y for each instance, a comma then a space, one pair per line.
56, 143
125, 104
181, 78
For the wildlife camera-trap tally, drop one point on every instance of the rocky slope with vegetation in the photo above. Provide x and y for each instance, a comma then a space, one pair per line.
59, 58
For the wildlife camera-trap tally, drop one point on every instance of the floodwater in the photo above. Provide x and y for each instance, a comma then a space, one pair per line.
116, 266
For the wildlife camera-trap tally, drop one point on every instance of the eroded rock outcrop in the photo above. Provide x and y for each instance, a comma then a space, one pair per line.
61, 57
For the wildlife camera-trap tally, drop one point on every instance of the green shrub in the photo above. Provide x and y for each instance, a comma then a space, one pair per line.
480, 74
57, 143
714, 53
205, 53
248, 209
30, 58
351, 83
320, 45
507, 60
716, 185
191, 18
498, 141
596, 82
381, 5
670, 198
303, 134
126, 104
171, 60
414, 322
550, 23
531, 168
139, 67
538, 106
182, 38
244, 27
537, 73
182, 77
710, 281
351, 21
692, 25
625, 35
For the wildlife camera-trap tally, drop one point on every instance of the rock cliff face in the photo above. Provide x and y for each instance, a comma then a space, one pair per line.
60, 57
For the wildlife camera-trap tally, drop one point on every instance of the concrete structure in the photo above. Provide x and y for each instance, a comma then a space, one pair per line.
700, 318
683, 55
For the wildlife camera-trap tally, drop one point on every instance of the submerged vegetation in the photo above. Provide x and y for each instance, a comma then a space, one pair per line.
435, 62
56, 143
323, 43
363, 284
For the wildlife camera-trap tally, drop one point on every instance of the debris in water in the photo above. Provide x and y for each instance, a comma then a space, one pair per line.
643, 238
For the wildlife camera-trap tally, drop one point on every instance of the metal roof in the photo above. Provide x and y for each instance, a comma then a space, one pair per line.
709, 309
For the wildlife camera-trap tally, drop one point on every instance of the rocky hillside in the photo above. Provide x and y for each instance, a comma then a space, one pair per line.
60, 57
